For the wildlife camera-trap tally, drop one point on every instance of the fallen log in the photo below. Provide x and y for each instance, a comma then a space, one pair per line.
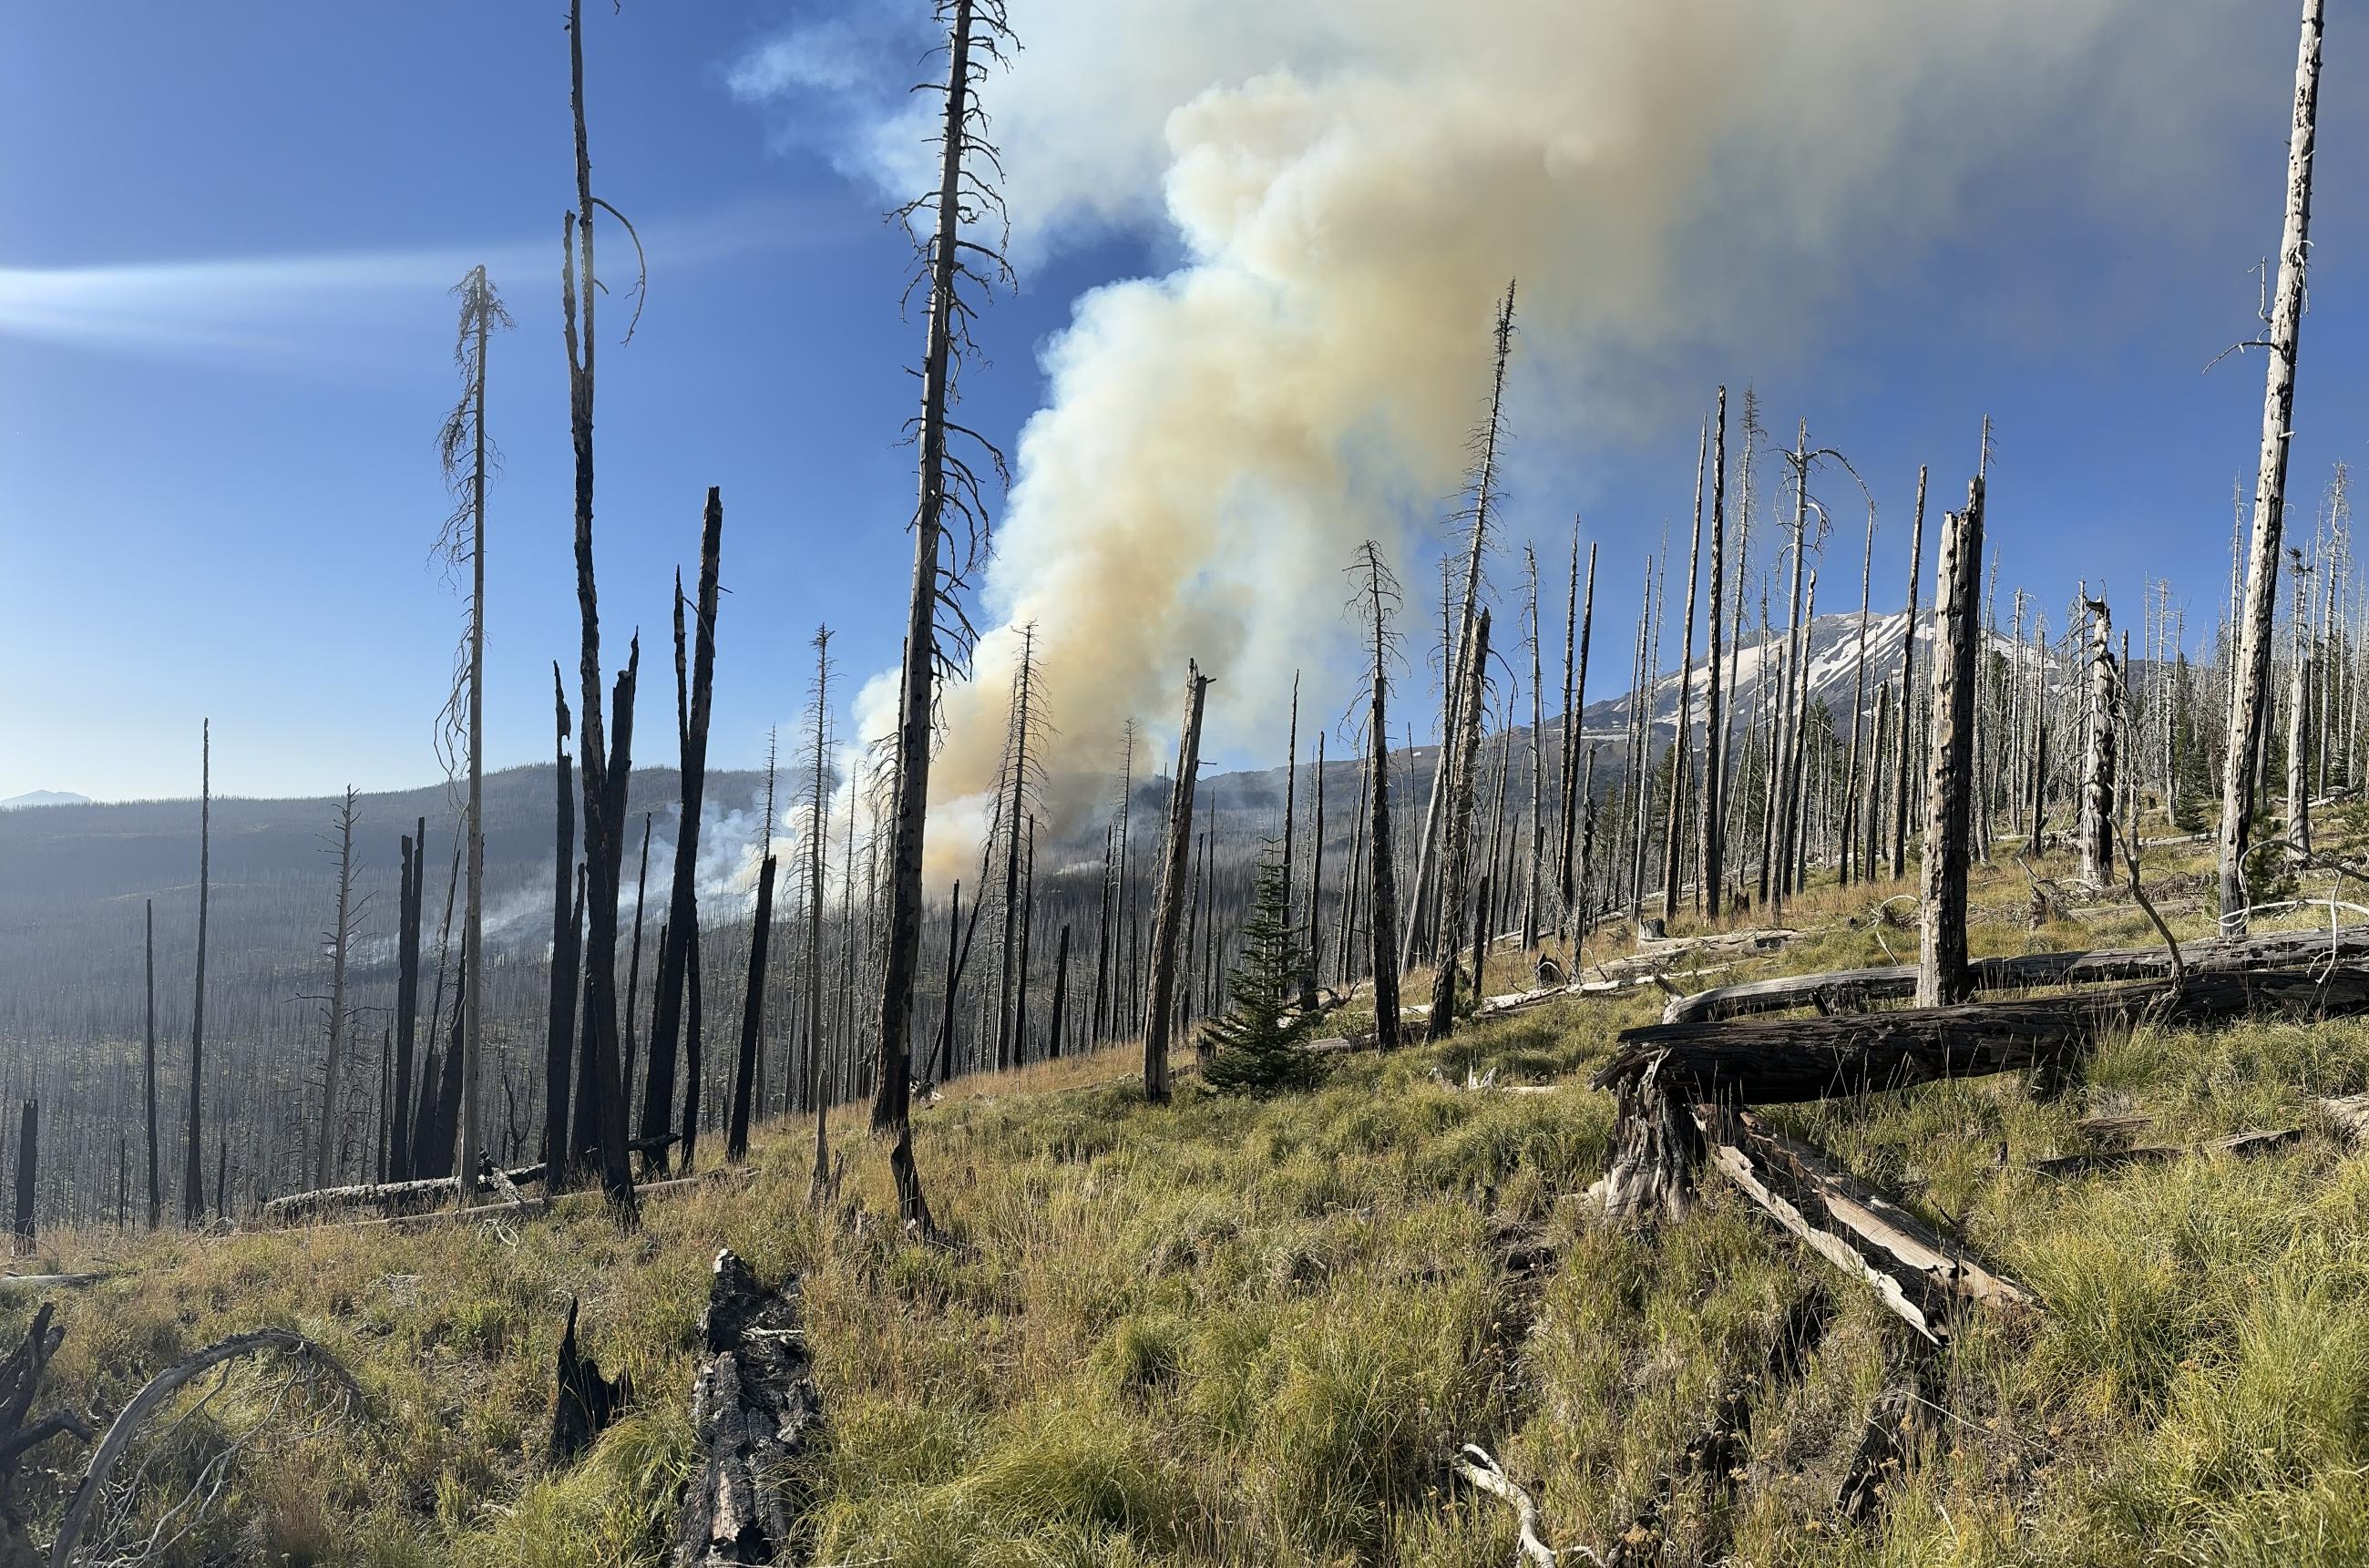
753, 1414
2260, 1140
1768, 1061
297, 1208
1895, 981
1915, 1272
427, 1219
11, 1282
1474, 1465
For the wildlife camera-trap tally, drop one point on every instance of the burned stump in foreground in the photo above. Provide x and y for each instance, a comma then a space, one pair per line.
752, 1414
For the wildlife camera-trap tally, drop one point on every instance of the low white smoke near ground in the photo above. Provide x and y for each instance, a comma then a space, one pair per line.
1351, 183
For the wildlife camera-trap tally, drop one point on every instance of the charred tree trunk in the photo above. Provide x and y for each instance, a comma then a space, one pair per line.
193, 1169
406, 997
155, 1175
1900, 774
1380, 595
325, 1164
1060, 993
603, 764
1672, 834
753, 1017
694, 700
1160, 1007
29, 1161
1711, 878
633, 964
1941, 950
1456, 859
560, 1146
934, 507
2097, 757
1575, 703
2252, 696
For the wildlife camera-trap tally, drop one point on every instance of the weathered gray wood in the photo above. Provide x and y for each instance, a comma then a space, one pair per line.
2250, 707
1764, 1061
2096, 828
1839, 990
1915, 1272
2259, 1140
753, 1414
1167, 920
1948, 807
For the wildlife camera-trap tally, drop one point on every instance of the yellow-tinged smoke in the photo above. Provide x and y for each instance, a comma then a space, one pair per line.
1352, 183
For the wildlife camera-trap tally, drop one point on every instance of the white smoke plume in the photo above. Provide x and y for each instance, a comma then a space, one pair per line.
1349, 185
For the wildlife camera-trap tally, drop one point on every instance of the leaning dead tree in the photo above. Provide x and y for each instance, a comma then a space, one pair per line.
1167, 920
1713, 868
1948, 789
1908, 730
604, 746
1431, 928
2251, 700
1673, 832
948, 219
746, 1084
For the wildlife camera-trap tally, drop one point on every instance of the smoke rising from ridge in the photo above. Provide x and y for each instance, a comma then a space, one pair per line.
1351, 185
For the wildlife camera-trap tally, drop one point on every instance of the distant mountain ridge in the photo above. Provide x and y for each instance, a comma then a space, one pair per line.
34, 797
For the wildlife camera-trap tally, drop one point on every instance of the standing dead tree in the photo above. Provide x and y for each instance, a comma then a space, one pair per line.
949, 500
408, 899
695, 678
561, 1146
2299, 736
1713, 871
339, 939
155, 1175
745, 1075
2251, 699
1907, 727
2098, 756
28, 1165
1167, 920
1673, 832
465, 538
1023, 782
604, 769
1941, 975
817, 847
193, 1166
1376, 598
1455, 858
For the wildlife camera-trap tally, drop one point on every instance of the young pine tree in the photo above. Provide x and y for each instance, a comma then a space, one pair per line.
1255, 1043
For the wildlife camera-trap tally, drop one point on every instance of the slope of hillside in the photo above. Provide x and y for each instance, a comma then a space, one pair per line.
1236, 1332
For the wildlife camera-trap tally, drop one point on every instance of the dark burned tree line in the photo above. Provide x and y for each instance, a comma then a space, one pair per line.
1755, 745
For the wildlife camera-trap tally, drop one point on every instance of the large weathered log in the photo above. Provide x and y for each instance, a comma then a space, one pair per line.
1894, 982
1773, 1061
1915, 1273
753, 1412
404, 1197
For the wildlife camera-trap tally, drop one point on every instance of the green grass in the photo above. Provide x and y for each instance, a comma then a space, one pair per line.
1253, 1331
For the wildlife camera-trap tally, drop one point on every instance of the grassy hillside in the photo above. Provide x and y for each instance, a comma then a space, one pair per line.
1241, 1332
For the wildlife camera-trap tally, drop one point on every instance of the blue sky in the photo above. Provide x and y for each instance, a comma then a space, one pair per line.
225, 348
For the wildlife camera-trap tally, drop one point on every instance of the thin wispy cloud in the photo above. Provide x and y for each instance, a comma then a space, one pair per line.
338, 310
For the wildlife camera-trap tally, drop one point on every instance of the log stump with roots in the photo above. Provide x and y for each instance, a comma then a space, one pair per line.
1656, 1148
20, 1434
753, 1414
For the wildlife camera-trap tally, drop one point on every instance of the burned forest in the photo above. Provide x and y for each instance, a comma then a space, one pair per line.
1273, 900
